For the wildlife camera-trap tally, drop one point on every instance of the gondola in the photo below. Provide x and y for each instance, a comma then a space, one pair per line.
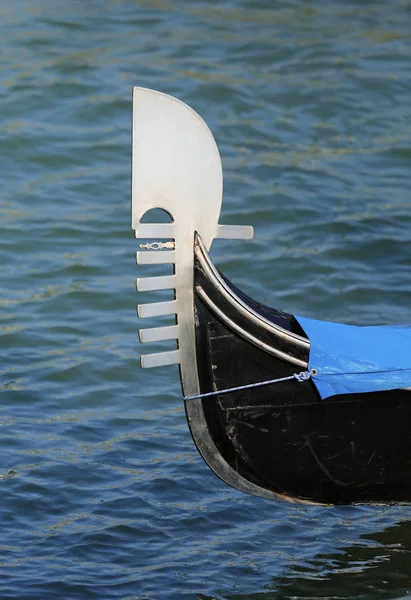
279, 406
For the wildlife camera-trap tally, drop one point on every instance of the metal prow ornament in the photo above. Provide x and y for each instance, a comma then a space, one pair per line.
176, 167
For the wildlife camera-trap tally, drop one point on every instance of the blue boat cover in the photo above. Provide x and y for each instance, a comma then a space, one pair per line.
352, 359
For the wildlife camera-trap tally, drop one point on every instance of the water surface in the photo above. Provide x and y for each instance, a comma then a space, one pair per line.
103, 493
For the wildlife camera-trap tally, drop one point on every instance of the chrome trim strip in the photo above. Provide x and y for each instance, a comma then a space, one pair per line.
247, 336
241, 306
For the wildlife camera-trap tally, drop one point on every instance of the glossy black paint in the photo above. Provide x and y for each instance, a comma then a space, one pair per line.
346, 449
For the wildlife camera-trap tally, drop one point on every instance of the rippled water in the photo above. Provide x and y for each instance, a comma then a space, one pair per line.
102, 492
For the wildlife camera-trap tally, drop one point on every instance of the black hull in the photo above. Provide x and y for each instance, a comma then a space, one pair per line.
282, 440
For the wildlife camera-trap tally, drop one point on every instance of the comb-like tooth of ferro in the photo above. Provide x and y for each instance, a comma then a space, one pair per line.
152, 284
156, 257
158, 334
160, 359
157, 309
235, 232
155, 230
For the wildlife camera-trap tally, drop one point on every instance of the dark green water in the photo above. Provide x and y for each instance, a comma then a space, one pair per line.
102, 492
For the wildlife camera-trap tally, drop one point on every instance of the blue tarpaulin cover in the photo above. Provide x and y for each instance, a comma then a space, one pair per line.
352, 359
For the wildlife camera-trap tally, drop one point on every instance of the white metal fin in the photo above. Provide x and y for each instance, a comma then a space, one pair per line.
158, 334
149, 284
160, 230
157, 309
160, 359
176, 166
164, 257
234, 232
